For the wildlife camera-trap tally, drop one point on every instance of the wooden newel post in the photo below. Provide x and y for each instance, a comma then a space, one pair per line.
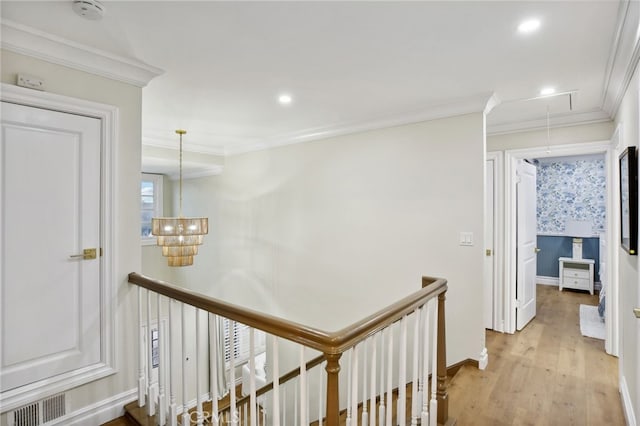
442, 395
333, 395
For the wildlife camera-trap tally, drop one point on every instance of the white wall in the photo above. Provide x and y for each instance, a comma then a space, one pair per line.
627, 117
127, 98
557, 136
327, 232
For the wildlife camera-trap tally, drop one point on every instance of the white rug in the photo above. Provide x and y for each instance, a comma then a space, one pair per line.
591, 325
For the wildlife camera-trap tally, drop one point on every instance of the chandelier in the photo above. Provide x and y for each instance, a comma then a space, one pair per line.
180, 236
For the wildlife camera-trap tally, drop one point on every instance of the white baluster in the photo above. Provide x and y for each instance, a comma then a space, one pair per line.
215, 352
276, 384
389, 376
284, 405
433, 406
232, 373
151, 397
381, 408
320, 394
196, 358
424, 416
252, 377
142, 391
365, 413
402, 375
295, 404
372, 396
415, 401
354, 385
244, 421
173, 409
304, 418
185, 403
349, 378
162, 408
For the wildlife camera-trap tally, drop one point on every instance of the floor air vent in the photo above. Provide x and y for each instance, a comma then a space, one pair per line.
39, 413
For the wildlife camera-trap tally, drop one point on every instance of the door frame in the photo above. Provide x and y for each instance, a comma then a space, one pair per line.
510, 159
108, 115
496, 287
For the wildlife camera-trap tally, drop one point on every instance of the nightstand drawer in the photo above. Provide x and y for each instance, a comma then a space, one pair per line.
575, 273
582, 283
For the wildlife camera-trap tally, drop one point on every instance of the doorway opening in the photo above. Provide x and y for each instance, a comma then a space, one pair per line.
505, 301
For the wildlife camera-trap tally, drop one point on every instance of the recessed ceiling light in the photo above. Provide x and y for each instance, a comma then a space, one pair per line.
547, 91
529, 26
285, 99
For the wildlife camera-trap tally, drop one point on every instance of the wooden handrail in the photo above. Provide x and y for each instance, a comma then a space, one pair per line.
331, 344
323, 341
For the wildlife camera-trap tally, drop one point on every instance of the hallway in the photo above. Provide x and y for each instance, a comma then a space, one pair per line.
548, 374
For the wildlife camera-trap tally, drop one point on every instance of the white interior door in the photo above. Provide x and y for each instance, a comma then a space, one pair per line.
49, 212
489, 245
526, 251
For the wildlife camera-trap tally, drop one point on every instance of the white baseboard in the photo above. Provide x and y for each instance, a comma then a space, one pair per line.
627, 405
99, 412
483, 361
555, 281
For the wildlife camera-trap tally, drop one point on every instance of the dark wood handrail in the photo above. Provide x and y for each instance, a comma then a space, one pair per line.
323, 341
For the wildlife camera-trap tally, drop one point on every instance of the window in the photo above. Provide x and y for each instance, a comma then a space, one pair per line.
241, 346
150, 205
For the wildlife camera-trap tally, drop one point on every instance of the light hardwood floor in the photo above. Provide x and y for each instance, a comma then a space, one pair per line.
547, 374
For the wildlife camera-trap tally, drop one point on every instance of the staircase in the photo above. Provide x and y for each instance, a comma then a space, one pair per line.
356, 376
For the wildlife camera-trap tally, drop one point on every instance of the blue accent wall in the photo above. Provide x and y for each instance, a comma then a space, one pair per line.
552, 247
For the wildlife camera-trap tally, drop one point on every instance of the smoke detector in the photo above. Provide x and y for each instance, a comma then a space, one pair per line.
89, 9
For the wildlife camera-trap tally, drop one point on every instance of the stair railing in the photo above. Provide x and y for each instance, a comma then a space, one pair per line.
389, 356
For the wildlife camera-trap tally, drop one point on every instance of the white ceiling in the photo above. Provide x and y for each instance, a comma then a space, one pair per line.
348, 65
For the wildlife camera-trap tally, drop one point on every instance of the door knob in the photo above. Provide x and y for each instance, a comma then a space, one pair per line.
537, 250
87, 254
488, 252
636, 312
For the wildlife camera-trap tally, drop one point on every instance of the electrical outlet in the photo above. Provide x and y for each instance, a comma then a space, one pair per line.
30, 82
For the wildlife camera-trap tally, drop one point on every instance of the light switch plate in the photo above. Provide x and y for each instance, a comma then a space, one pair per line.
466, 238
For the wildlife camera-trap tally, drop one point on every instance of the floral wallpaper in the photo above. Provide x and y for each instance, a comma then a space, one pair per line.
571, 190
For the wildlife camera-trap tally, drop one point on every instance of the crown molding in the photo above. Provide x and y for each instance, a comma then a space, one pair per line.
624, 56
29, 41
560, 120
456, 107
161, 140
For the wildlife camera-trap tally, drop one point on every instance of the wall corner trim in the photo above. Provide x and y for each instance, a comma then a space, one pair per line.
29, 41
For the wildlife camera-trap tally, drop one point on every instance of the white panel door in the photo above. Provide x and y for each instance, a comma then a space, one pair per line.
50, 211
526, 254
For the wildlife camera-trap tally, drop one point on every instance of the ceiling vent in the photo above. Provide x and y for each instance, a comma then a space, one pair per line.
89, 9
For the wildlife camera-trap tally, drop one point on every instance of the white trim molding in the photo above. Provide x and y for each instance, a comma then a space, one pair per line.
483, 361
554, 281
29, 41
100, 412
108, 114
627, 405
445, 109
498, 239
625, 53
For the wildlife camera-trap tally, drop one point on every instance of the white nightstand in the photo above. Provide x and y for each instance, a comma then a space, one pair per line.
576, 273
